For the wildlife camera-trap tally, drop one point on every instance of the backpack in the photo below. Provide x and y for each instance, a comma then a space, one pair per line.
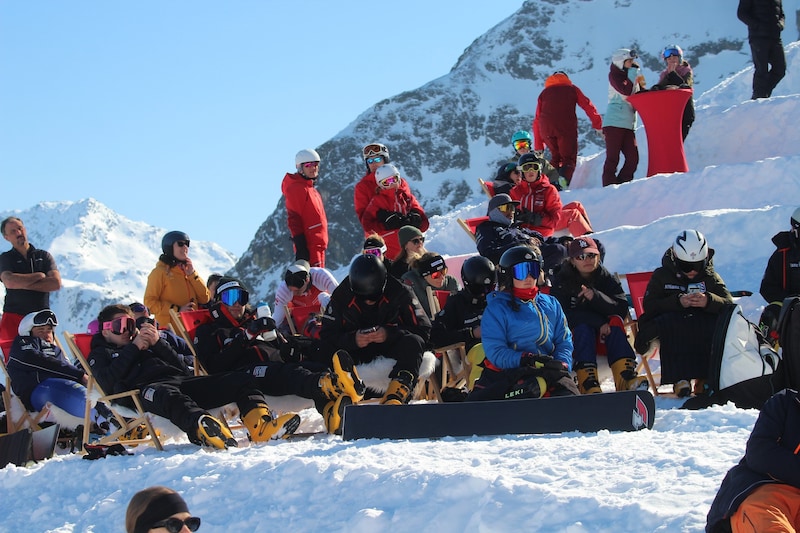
744, 370
789, 335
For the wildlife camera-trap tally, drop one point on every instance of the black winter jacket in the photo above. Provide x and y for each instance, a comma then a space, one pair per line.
32, 360
764, 18
222, 345
609, 296
782, 275
461, 314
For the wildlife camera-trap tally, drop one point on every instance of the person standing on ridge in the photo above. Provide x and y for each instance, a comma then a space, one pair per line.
308, 224
765, 21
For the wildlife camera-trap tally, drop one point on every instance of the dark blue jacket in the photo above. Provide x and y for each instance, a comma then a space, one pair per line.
32, 360
772, 456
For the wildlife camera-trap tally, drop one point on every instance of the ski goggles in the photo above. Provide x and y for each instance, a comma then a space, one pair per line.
311, 164
521, 144
44, 318
376, 159
506, 208
669, 52
175, 525
377, 252
689, 266
234, 295
118, 326
181, 244
388, 182
529, 268
372, 150
530, 167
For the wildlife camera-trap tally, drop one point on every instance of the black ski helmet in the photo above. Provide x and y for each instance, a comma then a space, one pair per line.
513, 256
171, 238
367, 276
478, 275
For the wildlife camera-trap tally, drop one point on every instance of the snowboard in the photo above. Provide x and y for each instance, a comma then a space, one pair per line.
25, 445
614, 411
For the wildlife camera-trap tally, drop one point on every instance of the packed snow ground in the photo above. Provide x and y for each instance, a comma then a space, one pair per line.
739, 192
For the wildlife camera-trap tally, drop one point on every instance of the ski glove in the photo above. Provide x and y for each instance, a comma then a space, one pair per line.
391, 219
260, 325
292, 349
414, 219
548, 368
301, 247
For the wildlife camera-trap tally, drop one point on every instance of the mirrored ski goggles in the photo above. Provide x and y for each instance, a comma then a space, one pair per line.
372, 149
377, 252
45, 317
311, 164
523, 270
376, 159
120, 325
506, 208
438, 274
388, 182
669, 52
175, 525
233, 296
689, 266
521, 144
530, 167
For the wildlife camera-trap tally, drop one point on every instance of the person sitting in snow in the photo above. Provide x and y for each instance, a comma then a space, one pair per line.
525, 336
594, 302
429, 270
781, 277
539, 202
762, 492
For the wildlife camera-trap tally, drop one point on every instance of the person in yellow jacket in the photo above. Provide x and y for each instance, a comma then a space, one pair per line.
174, 283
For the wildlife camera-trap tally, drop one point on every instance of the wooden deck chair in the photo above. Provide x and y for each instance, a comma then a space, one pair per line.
487, 186
79, 345
470, 225
17, 415
637, 285
455, 365
187, 323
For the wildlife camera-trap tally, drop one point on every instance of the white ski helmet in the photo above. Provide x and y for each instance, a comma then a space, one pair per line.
690, 246
306, 155
621, 55
384, 172
375, 149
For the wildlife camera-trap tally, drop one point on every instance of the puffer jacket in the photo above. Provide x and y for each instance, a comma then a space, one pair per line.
609, 298
169, 287
555, 110
782, 275
305, 211
539, 197
621, 84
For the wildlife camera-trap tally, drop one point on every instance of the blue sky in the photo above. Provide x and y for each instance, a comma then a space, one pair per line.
186, 114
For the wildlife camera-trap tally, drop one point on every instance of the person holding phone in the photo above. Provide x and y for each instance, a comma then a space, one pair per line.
174, 283
682, 304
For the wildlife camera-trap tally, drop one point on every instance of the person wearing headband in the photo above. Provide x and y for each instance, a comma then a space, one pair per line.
303, 285
430, 270
159, 509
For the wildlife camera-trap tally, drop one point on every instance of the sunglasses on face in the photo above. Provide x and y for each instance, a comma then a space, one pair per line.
417, 240
669, 52
584, 257
181, 244
689, 266
388, 182
138, 308
523, 270
372, 149
377, 159
121, 325
530, 167
506, 208
234, 296
377, 252
174, 525
43, 318
521, 144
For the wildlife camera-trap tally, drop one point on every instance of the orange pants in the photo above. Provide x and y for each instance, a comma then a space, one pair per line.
575, 219
771, 508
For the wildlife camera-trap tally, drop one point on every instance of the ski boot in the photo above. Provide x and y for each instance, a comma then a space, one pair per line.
625, 377
263, 426
587, 378
333, 413
682, 388
214, 434
343, 380
399, 391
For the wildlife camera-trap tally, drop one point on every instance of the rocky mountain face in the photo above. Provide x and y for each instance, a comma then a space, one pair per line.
447, 133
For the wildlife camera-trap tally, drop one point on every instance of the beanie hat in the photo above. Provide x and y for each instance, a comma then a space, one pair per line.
406, 233
225, 283
374, 241
503, 173
428, 265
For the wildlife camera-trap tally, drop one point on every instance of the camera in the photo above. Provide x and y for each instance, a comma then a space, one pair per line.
145, 320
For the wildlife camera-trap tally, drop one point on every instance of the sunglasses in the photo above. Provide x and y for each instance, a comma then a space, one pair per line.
523, 270
530, 167
417, 240
377, 159
584, 257
174, 525
372, 149
689, 266
311, 164
181, 244
522, 144
234, 295
377, 252
43, 318
138, 308
506, 208
120, 325
388, 182
669, 52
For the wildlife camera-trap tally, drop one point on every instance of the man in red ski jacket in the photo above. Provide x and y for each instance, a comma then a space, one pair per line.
307, 221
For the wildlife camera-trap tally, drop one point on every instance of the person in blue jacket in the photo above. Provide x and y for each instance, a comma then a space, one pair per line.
762, 492
525, 336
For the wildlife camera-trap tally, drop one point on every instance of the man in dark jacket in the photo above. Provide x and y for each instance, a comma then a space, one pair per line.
233, 342
762, 492
781, 277
124, 357
371, 314
765, 21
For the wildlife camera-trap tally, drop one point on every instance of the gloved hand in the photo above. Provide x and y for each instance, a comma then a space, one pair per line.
548, 368
535, 360
535, 219
394, 220
260, 325
414, 219
294, 347
301, 247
